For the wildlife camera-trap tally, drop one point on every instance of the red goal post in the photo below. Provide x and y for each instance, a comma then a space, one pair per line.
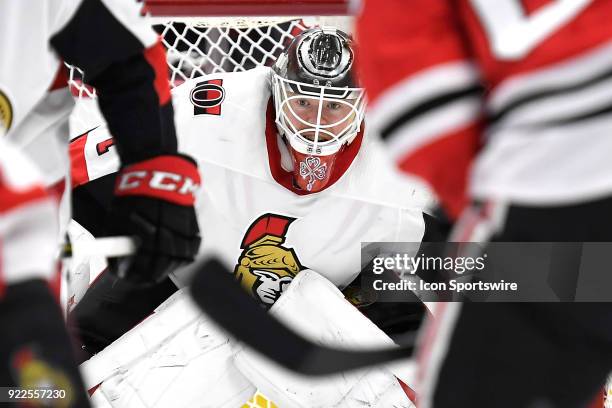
250, 7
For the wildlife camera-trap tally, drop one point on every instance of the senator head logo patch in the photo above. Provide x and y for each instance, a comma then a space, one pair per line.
6, 113
265, 266
207, 97
31, 370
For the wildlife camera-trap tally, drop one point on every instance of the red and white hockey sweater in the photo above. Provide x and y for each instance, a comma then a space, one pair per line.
513, 97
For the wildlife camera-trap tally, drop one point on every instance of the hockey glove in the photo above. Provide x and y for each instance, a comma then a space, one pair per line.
154, 202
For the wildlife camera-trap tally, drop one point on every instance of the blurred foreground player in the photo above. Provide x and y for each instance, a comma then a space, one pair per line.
124, 65
512, 99
122, 58
35, 351
292, 185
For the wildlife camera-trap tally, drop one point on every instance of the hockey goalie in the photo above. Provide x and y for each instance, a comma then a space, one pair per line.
291, 186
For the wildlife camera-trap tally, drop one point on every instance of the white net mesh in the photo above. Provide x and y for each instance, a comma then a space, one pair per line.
199, 46
199, 49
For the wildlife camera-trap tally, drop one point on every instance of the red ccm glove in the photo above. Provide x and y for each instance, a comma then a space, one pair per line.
153, 202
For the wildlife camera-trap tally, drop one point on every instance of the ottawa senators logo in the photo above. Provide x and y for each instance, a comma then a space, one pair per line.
6, 113
265, 266
31, 371
207, 97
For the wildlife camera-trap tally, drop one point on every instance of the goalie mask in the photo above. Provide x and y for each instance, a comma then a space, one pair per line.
319, 108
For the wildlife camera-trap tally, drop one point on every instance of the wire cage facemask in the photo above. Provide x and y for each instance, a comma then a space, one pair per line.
317, 119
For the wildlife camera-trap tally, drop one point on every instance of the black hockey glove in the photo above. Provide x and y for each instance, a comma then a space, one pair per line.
153, 203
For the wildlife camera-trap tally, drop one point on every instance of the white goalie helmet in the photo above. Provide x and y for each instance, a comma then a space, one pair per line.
319, 107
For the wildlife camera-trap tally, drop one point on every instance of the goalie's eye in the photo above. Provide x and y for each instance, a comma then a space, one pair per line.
334, 105
304, 103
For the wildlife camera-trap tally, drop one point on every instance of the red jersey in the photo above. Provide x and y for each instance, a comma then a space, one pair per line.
511, 97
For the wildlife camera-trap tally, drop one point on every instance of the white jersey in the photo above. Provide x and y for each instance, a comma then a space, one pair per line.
249, 213
34, 100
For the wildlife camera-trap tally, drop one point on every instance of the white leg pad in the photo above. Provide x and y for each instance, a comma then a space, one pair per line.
175, 357
315, 308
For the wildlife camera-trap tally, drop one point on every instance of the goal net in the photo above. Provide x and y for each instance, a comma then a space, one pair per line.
197, 45
201, 38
